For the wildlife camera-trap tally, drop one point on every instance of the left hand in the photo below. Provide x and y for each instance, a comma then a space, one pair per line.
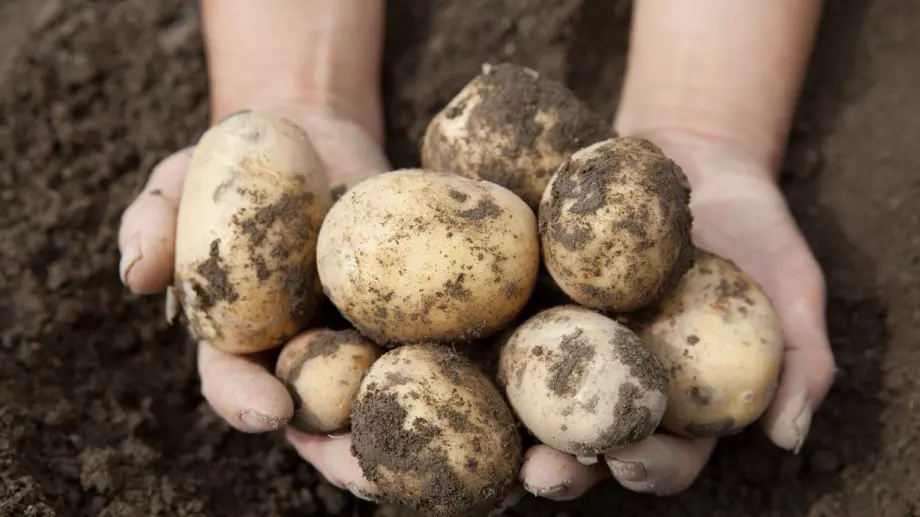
739, 213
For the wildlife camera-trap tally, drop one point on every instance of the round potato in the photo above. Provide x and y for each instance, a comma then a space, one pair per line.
513, 127
434, 433
721, 340
615, 225
414, 255
322, 371
581, 382
252, 205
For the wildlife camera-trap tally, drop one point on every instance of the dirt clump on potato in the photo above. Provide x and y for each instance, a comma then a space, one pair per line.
434, 433
615, 225
513, 127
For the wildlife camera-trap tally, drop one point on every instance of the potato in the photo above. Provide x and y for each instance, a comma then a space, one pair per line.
322, 371
615, 225
253, 201
434, 433
581, 382
721, 340
513, 127
414, 255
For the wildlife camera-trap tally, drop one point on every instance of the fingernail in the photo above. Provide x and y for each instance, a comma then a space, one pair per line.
801, 425
627, 470
587, 460
789, 432
552, 491
259, 422
129, 256
359, 493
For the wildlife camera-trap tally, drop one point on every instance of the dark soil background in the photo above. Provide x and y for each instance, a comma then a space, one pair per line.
100, 412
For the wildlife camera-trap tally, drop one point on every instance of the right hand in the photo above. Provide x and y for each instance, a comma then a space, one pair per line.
243, 389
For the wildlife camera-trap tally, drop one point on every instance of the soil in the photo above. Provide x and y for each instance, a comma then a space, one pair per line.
100, 408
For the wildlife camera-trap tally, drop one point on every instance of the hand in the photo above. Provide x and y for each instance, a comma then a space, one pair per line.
243, 390
740, 214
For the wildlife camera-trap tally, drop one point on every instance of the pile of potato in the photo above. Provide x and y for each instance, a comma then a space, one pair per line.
521, 187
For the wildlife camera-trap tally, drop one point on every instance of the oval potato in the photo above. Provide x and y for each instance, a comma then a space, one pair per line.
253, 201
721, 340
615, 225
322, 371
434, 433
414, 255
513, 127
581, 382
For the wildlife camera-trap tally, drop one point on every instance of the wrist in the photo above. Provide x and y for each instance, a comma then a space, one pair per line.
317, 55
706, 159
305, 105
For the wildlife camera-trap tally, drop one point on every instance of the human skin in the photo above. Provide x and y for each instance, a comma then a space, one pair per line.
716, 94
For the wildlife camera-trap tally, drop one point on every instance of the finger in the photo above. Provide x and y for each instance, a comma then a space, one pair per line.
558, 476
242, 391
332, 457
661, 464
146, 237
808, 364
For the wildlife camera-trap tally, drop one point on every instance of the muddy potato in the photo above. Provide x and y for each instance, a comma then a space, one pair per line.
720, 339
322, 371
253, 201
615, 225
413, 255
434, 433
513, 127
581, 382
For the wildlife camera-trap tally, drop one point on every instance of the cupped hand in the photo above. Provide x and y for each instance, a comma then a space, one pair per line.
739, 213
243, 389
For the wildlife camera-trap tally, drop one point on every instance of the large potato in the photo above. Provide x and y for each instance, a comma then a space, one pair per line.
722, 342
615, 225
252, 205
513, 127
581, 382
434, 433
413, 255
322, 371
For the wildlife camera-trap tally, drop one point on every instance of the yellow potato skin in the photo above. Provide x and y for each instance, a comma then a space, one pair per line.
323, 370
434, 433
513, 127
253, 201
415, 255
615, 225
720, 339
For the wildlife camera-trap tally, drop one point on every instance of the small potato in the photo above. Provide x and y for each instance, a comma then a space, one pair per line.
720, 339
434, 433
323, 371
253, 201
413, 256
582, 383
615, 225
513, 127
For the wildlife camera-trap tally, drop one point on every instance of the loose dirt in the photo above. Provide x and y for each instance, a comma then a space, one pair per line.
100, 408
